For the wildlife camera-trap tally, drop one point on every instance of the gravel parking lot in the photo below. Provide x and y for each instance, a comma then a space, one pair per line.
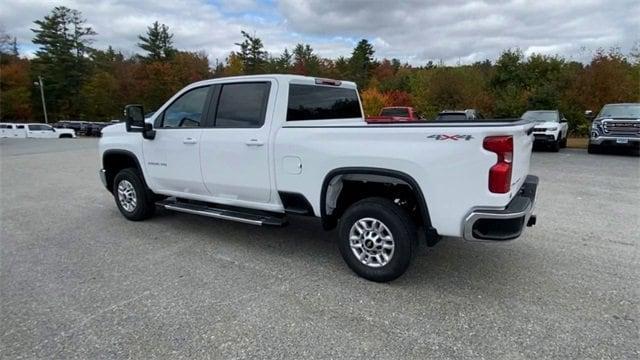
77, 280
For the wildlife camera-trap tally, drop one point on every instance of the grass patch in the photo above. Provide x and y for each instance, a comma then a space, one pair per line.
577, 143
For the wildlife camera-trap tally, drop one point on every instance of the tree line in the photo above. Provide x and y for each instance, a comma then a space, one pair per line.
82, 82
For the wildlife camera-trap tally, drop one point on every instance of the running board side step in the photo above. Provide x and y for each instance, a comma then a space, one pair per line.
256, 218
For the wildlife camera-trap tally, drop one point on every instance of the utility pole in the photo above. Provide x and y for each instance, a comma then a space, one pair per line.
44, 106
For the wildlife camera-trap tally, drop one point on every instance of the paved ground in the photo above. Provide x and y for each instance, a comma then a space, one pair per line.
78, 280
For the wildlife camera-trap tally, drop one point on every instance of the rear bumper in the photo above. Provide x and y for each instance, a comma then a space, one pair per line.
504, 224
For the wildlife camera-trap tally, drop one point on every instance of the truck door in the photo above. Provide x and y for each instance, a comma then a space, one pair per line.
235, 149
38, 131
172, 159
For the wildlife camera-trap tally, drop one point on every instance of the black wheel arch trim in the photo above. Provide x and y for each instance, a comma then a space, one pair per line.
424, 210
126, 153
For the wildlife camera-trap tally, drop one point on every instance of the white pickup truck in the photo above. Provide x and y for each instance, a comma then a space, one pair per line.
39, 131
256, 148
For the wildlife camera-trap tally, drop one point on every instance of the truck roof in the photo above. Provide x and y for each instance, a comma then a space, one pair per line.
299, 79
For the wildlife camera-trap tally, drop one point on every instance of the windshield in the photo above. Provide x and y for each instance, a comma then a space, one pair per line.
395, 112
540, 116
620, 111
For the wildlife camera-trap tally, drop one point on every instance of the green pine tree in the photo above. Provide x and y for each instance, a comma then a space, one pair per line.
252, 54
158, 43
64, 41
361, 63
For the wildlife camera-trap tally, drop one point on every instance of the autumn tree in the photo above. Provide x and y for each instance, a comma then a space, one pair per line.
373, 101
158, 42
305, 62
234, 65
15, 89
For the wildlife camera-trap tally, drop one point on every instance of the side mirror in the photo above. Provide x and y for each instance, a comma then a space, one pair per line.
134, 118
563, 120
589, 115
134, 121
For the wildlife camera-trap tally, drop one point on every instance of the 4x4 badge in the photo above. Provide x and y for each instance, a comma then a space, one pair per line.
450, 137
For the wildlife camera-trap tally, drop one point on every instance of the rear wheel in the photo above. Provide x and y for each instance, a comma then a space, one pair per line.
132, 197
377, 239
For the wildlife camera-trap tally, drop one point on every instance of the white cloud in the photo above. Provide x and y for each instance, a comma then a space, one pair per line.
413, 31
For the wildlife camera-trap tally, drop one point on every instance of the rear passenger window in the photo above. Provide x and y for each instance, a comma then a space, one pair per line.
242, 105
310, 102
20, 126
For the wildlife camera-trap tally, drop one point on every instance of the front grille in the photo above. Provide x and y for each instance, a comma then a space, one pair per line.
618, 127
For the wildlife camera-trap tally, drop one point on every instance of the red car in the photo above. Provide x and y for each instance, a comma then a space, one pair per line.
395, 114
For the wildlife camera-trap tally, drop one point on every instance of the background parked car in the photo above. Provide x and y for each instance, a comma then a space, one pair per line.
44, 131
95, 128
616, 125
551, 128
395, 114
80, 127
459, 115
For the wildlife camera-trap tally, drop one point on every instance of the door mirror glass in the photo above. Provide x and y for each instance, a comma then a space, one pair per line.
134, 118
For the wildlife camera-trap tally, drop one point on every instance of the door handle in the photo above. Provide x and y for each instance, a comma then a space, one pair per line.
189, 140
254, 142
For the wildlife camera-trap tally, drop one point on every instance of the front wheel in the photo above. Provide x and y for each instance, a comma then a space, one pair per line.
563, 144
555, 147
132, 197
593, 149
377, 239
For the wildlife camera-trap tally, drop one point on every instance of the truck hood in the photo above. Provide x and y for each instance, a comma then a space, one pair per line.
118, 128
616, 118
546, 125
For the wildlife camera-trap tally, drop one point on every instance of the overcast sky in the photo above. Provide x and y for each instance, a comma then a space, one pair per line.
414, 31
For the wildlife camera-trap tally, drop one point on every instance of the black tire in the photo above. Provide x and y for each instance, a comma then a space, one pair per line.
593, 149
397, 221
65, 136
563, 144
144, 205
555, 147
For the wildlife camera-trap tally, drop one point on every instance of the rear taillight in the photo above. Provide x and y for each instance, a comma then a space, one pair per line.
500, 173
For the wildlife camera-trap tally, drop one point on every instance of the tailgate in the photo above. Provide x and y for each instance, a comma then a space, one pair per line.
522, 146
